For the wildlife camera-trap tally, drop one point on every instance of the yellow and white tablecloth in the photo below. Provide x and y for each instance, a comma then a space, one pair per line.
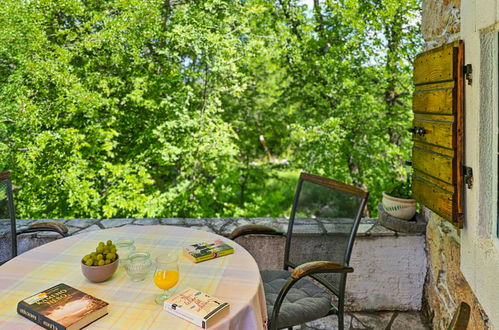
234, 278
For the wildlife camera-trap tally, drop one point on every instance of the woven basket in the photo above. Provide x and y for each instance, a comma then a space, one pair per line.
399, 207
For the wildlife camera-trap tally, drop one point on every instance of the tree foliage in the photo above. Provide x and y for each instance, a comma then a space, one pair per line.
128, 108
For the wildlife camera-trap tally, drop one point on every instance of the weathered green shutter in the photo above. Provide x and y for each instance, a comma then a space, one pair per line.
438, 131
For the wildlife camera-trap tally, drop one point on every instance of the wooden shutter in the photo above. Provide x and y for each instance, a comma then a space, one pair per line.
438, 131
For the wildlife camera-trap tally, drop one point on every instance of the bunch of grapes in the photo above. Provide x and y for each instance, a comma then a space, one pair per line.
104, 254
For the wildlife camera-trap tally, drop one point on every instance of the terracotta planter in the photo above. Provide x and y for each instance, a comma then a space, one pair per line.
401, 208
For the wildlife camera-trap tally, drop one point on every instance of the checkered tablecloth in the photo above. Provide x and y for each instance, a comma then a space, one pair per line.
234, 278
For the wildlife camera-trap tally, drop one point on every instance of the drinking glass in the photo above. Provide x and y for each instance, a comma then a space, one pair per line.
125, 247
138, 265
166, 275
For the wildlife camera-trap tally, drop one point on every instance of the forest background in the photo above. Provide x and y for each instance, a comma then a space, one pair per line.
172, 108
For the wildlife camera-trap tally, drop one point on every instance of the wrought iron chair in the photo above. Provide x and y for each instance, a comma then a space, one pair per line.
461, 317
330, 212
7, 211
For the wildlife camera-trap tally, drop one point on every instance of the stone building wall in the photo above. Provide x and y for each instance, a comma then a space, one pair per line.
445, 285
441, 22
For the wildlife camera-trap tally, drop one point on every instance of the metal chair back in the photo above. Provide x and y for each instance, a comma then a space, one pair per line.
7, 209
328, 211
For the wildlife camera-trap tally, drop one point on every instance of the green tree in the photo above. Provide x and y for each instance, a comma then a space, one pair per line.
199, 108
353, 90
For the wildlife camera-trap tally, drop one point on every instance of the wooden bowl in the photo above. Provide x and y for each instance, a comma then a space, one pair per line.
100, 273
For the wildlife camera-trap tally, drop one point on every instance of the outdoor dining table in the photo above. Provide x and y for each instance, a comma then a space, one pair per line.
234, 278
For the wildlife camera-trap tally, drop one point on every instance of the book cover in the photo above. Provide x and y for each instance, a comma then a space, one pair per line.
197, 307
207, 250
62, 307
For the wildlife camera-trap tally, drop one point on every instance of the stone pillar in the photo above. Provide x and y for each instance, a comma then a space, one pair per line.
445, 286
441, 22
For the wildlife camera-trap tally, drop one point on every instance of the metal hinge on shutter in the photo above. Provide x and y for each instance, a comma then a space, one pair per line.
468, 73
468, 176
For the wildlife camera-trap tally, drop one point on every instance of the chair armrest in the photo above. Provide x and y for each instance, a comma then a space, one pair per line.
298, 273
319, 267
45, 226
50, 224
253, 229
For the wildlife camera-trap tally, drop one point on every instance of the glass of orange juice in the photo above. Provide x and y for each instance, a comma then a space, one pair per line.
166, 275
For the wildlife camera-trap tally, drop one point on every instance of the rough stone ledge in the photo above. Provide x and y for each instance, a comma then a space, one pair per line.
417, 225
221, 226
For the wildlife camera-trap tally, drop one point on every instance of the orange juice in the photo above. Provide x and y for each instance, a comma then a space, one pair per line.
166, 279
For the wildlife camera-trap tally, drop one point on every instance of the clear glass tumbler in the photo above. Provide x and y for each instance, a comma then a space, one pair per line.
124, 247
138, 265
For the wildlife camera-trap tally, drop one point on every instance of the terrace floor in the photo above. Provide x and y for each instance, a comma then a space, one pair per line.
371, 321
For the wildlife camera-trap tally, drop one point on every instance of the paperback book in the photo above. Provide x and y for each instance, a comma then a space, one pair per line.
62, 307
197, 307
207, 250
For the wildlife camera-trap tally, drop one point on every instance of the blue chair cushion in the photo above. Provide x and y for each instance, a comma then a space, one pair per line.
305, 301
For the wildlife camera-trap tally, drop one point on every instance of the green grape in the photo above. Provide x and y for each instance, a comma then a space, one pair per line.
104, 254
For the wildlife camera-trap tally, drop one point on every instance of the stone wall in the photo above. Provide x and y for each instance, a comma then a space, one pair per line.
445, 285
389, 267
441, 22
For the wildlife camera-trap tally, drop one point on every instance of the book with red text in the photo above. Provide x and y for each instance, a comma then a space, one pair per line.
197, 307
62, 307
